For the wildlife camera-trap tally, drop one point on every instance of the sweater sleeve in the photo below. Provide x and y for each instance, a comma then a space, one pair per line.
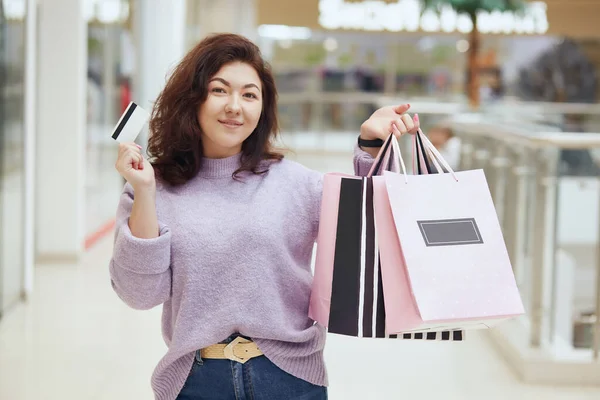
140, 269
363, 161
362, 165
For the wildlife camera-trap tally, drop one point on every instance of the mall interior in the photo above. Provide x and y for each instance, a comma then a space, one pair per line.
69, 68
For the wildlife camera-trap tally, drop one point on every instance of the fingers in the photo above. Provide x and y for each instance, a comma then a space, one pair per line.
129, 147
388, 120
404, 124
138, 162
402, 108
417, 123
130, 156
407, 124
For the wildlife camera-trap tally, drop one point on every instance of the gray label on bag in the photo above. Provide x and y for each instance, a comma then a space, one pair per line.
450, 232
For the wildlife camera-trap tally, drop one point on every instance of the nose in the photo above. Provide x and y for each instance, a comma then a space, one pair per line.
233, 105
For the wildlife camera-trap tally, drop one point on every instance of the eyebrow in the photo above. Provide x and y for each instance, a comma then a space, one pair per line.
224, 82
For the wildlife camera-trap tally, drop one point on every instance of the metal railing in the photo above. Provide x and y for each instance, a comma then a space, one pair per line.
523, 170
330, 111
521, 148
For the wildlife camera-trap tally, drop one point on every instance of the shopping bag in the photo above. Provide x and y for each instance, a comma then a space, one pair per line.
444, 263
348, 291
439, 336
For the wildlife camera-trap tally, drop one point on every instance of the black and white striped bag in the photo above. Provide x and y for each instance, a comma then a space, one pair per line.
447, 336
357, 297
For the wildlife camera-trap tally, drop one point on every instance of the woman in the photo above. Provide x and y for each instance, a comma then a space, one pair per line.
222, 235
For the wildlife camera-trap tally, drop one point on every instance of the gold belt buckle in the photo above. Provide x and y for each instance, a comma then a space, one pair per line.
229, 353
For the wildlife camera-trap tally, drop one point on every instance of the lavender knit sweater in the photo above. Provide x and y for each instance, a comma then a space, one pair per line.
231, 257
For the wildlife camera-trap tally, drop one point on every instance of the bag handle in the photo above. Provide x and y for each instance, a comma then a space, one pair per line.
426, 157
435, 153
386, 159
396, 148
422, 157
380, 159
437, 165
423, 152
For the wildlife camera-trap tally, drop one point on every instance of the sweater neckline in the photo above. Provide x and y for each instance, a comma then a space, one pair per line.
220, 167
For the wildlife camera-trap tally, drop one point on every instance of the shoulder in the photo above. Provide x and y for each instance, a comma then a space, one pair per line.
296, 180
297, 186
294, 171
290, 166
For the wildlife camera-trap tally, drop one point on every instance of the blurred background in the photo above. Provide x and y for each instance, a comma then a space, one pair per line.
514, 92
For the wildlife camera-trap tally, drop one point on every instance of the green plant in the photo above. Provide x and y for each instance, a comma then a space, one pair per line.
472, 8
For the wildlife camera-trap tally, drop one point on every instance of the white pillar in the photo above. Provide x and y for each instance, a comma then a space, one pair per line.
30, 146
62, 66
109, 78
159, 37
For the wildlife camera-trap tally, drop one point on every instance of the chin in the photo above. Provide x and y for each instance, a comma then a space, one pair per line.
229, 141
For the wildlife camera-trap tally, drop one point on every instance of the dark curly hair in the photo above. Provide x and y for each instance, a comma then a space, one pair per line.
175, 144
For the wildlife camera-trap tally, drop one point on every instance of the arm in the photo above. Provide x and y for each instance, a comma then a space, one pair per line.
140, 269
363, 160
378, 126
143, 222
384, 121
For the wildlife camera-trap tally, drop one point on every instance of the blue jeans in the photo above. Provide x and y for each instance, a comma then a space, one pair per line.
257, 379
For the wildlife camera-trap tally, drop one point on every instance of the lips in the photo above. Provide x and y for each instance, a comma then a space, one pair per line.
230, 123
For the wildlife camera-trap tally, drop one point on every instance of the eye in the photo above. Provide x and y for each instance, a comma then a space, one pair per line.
251, 95
218, 90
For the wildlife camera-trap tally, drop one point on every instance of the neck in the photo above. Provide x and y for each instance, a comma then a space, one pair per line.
221, 167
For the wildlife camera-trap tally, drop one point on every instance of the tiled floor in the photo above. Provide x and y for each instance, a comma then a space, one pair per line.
76, 340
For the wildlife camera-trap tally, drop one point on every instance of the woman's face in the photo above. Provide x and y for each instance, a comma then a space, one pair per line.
231, 111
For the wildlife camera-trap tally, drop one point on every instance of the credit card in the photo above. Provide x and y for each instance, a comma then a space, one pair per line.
131, 123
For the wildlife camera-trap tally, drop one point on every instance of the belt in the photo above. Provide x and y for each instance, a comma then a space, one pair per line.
240, 350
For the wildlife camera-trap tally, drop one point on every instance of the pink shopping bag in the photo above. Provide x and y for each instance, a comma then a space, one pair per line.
444, 262
348, 290
346, 295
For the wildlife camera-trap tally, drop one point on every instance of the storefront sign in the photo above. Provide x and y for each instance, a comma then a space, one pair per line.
406, 15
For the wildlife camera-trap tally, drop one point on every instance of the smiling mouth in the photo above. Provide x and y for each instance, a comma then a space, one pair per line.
231, 124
